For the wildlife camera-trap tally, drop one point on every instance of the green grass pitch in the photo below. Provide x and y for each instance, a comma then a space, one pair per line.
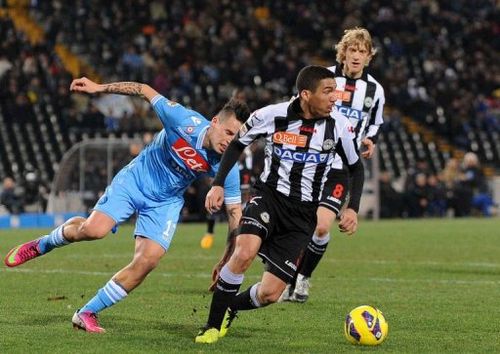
437, 282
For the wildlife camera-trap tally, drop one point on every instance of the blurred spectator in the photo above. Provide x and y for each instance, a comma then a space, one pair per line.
418, 196
134, 149
436, 193
391, 201
475, 185
35, 191
5, 64
449, 177
11, 196
133, 64
421, 168
93, 119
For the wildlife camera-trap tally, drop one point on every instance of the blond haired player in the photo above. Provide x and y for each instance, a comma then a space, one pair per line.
361, 99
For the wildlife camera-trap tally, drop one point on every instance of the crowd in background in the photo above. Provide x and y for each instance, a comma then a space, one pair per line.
437, 62
459, 190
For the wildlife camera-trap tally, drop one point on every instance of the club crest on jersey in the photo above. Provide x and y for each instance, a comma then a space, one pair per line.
172, 103
328, 144
265, 217
298, 156
290, 139
196, 120
189, 129
344, 96
350, 112
368, 102
191, 158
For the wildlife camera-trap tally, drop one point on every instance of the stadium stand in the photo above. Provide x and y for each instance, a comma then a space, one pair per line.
436, 61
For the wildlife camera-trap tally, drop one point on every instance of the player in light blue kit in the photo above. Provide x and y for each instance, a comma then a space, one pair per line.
152, 186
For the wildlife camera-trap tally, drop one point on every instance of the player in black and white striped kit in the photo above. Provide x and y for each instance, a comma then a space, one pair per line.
303, 137
360, 98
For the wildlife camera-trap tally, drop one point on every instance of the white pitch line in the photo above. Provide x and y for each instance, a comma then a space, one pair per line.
131, 255
83, 272
329, 260
207, 276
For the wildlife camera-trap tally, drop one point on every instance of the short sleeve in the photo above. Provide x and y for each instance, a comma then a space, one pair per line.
255, 127
232, 192
170, 113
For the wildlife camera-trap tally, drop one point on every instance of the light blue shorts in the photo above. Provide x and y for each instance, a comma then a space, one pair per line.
156, 220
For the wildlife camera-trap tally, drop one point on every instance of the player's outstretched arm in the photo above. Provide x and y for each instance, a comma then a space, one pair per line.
85, 85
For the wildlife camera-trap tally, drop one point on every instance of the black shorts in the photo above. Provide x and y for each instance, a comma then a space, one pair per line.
335, 190
285, 227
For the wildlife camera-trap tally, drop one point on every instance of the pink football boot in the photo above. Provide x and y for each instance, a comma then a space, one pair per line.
87, 321
22, 253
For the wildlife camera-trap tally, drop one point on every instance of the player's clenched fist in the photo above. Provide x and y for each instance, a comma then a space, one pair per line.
214, 199
84, 85
348, 221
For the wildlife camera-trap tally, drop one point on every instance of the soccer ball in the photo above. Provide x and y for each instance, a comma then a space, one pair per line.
365, 325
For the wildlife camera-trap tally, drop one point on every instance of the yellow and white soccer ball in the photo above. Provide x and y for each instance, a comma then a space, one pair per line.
366, 325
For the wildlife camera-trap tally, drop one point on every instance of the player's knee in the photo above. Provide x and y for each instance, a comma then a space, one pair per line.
75, 220
325, 218
145, 263
91, 231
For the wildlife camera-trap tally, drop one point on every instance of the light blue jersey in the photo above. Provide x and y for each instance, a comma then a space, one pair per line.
152, 185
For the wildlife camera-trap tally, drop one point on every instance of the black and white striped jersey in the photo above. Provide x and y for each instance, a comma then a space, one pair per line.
299, 152
362, 101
